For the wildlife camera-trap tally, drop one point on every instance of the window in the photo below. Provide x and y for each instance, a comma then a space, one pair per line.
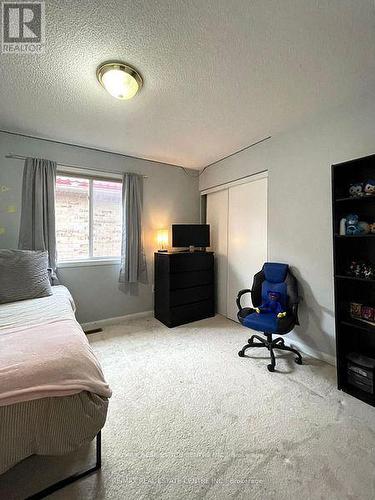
88, 218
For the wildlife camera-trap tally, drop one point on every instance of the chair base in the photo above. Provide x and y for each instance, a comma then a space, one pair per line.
277, 343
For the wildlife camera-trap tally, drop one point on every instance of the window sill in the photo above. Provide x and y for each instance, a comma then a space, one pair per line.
89, 262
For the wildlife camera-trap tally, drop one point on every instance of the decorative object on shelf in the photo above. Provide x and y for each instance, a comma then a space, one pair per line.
343, 227
369, 187
162, 239
355, 269
361, 371
365, 226
372, 228
367, 313
356, 190
369, 271
361, 269
359, 189
355, 310
362, 313
352, 225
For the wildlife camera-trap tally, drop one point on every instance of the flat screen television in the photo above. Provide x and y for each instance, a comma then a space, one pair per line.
186, 235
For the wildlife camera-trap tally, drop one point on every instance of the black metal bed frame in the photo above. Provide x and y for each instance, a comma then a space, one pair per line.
74, 477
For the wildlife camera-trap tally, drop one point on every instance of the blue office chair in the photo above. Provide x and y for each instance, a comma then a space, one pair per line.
274, 295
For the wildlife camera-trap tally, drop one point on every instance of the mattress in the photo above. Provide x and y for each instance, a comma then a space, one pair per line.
57, 307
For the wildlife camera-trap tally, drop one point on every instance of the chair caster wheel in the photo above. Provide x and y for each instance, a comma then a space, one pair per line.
270, 368
298, 361
241, 354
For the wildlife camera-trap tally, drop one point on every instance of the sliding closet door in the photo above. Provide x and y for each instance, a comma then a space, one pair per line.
247, 238
217, 217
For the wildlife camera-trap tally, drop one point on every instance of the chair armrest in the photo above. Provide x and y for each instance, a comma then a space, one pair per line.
239, 295
295, 311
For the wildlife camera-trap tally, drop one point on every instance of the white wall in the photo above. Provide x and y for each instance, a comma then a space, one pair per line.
169, 196
300, 233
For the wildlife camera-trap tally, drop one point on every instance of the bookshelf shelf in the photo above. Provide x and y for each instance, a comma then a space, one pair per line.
360, 325
353, 278
353, 237
363, 199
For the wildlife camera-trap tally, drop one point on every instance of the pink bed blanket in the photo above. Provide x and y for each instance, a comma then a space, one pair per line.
52, 358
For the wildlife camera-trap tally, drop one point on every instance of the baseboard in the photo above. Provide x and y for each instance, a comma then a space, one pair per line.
331, 360
114, 321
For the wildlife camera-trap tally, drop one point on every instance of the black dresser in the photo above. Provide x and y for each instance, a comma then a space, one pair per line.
184, 287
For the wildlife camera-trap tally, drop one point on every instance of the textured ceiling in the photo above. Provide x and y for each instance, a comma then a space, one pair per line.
218, 74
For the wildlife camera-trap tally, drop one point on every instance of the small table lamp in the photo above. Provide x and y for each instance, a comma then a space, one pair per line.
162, 239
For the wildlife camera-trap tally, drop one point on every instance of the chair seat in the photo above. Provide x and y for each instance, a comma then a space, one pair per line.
242, 313
262, 322
269, 322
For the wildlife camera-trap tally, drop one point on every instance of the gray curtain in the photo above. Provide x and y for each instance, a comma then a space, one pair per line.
133, 260
37, 228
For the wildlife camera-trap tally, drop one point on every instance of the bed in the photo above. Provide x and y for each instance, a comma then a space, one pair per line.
53, 395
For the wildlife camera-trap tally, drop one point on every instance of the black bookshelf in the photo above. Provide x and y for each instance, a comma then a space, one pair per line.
352, 335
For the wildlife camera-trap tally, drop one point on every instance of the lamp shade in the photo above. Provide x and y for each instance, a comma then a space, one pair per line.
162, 238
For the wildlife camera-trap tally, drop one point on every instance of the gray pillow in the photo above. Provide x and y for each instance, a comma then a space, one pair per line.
23, 275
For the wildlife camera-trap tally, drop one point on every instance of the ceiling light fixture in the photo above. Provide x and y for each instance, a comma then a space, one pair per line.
119, 79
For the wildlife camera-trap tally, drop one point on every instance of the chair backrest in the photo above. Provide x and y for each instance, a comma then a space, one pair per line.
275, 277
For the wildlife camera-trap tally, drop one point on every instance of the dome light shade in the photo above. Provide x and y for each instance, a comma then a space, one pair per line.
119, 79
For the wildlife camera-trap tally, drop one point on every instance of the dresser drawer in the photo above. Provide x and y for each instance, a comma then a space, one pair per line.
189, 295
194, 278
191, 312
190, 262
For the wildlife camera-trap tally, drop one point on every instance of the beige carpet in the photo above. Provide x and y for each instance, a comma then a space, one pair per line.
189, 419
